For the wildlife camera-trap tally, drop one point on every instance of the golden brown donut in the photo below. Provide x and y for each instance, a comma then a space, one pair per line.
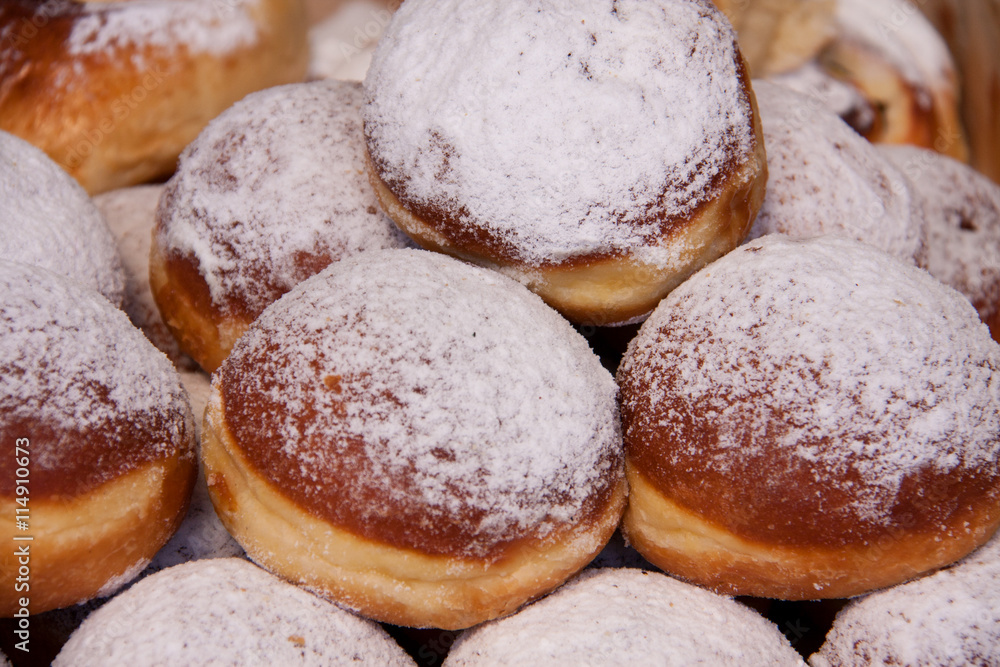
392, 435
810, 419
105, 460
113, 91
598, 152
270, 193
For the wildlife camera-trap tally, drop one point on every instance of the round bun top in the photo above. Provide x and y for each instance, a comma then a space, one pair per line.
226, 611
626, 616
48, 220
825, 178
272, 191
554, 129
94, 397
411, 398
947, 619
849, 392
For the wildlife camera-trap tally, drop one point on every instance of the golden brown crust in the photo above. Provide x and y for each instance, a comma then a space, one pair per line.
202, 331
609, 290
391, 583
91, 543
129, 123
704, 551
906, 113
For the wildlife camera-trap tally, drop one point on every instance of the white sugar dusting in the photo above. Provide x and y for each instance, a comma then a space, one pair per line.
457, 380
962, 212
276, 178
72, 361
199, 27
517, 126
47, 220
627, 617
130, 213
823, 178
226, 611
948, 619
868, 370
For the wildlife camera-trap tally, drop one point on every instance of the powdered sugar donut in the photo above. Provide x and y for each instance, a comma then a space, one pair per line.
825, 179
962, 222
47, 220
105, 442
382, 435
269, 194
599, 152
113, 91
810, 419
948, 619
627, 617
131, 214
226, 611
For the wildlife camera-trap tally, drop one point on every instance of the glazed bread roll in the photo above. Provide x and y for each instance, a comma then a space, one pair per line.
113, 91
415, 438
106, 458
598, 152
810, 419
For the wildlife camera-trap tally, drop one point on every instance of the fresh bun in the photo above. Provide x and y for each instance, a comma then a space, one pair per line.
113, 91
810, 419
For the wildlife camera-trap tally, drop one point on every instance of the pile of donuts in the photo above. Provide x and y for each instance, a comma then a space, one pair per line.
582, 329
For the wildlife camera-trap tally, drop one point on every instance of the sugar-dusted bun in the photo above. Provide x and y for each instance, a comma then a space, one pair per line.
47, 220
416, 438
948, 619
961, 208
225, 611
810, 419
113, 91
106, 436
131, 214
598, 152
889, 51
269, 194
627, 617
823, 178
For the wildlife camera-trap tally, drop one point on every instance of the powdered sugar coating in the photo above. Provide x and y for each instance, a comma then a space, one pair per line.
225, 611
192, 25
71, 365
962, 213
846, 373
627, 617
130, 214
823, 178
48, 220
516, 128
405, 391
272, 191
948, 619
